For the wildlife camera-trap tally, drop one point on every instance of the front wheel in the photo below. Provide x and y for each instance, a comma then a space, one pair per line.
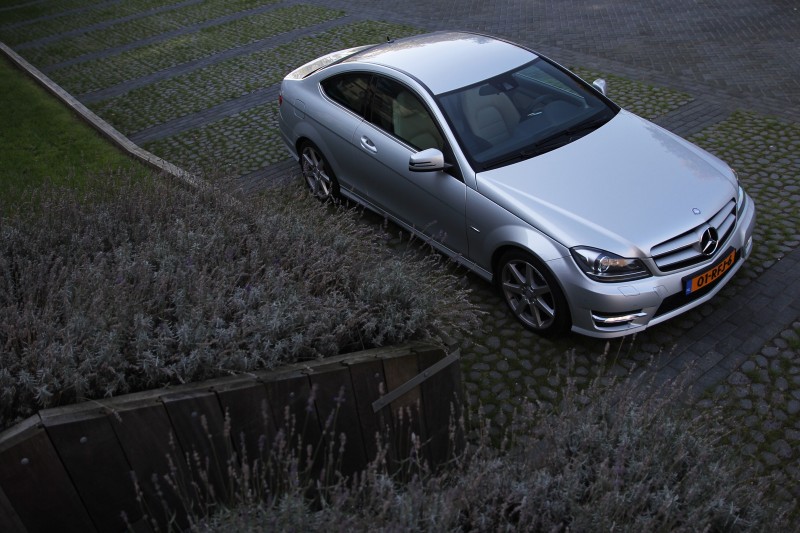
532, 294
317, 172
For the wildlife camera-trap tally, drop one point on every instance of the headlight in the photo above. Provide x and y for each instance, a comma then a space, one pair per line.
741, 197
604, 266
741, 201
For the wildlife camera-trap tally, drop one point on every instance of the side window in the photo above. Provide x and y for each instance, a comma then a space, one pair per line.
397, 110
350, 90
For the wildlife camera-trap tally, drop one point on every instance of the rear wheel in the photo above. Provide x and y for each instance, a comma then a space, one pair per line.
317, 172
532, 293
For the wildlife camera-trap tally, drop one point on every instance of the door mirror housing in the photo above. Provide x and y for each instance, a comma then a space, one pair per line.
600, 85
429, 160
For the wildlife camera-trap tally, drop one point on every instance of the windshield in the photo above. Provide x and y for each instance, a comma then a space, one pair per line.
522, 113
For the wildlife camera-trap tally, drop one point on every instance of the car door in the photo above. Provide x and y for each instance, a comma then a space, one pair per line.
350, 90
398, 125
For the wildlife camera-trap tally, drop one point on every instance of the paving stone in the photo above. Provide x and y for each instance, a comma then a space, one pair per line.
770, 459
738, 378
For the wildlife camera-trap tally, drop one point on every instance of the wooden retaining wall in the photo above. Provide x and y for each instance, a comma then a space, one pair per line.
70, 468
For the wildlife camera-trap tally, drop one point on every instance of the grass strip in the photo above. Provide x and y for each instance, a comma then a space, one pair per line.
16, 11
137, 29
176, 97
109, 71
72, 21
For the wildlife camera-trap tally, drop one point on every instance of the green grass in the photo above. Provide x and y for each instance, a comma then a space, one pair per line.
44, 141
21, 10
68, 21
109, 71
198, 90
136, 29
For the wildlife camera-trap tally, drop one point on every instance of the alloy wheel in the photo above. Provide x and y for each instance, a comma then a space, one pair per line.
317, 173
529, 294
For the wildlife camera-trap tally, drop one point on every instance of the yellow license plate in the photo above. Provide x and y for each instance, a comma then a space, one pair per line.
706, 278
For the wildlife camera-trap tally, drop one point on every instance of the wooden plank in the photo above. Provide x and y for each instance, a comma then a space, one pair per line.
144, 430
9, 519
251, 421
406, 417
290, 398
368, 385
442, 398
87, 444
35, 482
397, 371
199, 427
336, 407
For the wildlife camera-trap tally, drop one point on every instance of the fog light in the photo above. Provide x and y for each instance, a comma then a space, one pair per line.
617, 319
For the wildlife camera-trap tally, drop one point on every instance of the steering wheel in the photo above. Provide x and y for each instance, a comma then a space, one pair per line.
536, 107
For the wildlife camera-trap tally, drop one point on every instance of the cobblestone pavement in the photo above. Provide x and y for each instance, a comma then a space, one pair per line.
722, 73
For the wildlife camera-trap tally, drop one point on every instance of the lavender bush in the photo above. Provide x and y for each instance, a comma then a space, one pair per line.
606, 459
133, 284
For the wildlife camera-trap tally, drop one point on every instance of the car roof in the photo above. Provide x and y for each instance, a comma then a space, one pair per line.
444, 61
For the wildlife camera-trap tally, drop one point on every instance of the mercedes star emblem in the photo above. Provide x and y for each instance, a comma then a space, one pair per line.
709, 241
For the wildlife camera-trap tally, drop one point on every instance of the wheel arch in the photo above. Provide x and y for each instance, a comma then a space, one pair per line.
526, 240
319, 143
506, 248
502, 251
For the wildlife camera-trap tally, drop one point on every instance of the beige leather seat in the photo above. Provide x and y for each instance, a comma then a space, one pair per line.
490, 116
413, 123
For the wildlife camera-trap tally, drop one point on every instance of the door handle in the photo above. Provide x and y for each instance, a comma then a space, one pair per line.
367, 144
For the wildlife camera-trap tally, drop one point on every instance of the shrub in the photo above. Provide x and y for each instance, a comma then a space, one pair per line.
140, 283
604, 459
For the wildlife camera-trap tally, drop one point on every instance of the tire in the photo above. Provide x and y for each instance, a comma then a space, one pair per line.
317, 172
532, 294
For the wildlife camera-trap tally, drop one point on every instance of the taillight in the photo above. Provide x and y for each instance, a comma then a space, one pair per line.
280, 99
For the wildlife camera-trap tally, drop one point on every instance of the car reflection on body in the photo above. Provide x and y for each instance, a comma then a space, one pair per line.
586, 216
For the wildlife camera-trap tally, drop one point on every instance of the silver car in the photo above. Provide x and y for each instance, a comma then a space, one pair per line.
585, 216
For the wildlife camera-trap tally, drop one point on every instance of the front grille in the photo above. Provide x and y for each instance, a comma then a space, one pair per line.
684, 250
681, 299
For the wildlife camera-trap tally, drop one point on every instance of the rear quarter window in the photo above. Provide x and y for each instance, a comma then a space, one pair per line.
349, 90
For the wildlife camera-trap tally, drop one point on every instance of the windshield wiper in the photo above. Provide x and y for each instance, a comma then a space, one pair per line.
568, 135
551, 142
516, 156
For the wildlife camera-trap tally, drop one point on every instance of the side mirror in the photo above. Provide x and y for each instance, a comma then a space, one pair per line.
429, 160
600, 85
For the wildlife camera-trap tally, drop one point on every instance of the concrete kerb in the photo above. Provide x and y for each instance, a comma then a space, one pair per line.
103, 127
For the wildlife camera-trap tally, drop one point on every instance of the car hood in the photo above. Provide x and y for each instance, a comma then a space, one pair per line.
625, 187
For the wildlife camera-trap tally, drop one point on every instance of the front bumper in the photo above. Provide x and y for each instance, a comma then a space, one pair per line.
607, 310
